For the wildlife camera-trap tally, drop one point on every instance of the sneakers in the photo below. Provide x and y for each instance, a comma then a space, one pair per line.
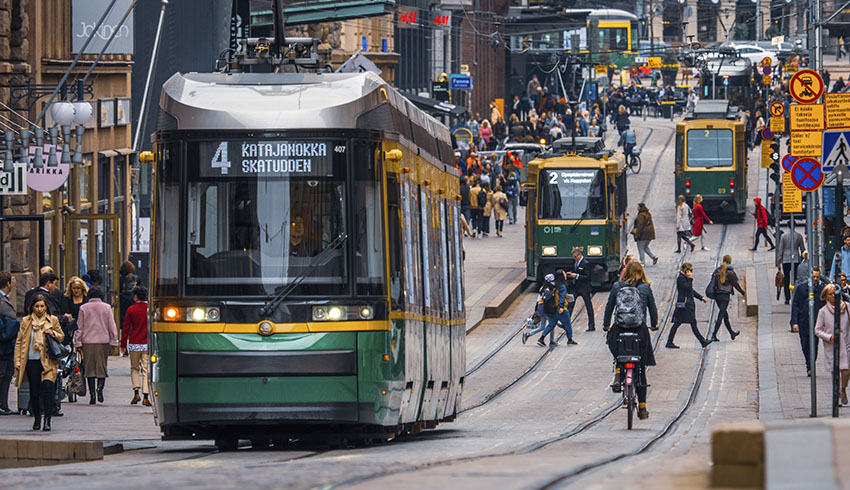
571, 342
643, 413
753, 249
524, 338
693, 247
553, 343
705, 249
591, 329
541, 343
671, 345
655, 260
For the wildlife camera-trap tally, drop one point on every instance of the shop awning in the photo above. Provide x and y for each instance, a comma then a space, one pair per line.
435, 107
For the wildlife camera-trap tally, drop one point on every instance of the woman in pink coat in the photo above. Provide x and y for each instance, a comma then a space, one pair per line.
700, 219
825, 330
95, 334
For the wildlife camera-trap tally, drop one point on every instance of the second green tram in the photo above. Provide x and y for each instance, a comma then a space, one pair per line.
711, 159
577, 198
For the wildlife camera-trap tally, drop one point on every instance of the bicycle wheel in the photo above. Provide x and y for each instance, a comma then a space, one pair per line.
635, 164
630, 403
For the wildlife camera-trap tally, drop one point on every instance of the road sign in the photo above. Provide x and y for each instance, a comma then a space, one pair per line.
807, 174
654, 62
836, 149
460, 82
766, 80
777, 125
806, 143
767, 70
766, 61
14, 183
766, 154
788, 162
464, 68
807, 117
766, 134
806, 86
792, 197
777, 109
837, 110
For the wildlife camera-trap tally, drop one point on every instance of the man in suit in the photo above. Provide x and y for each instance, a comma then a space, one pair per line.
800, 314
8, 335
581, 278
789, 253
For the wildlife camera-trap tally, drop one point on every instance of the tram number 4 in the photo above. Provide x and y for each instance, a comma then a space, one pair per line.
220, 160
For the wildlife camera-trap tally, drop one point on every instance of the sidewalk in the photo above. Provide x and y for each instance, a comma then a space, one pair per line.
493, 265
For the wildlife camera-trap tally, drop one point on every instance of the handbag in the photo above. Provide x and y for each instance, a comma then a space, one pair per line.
681, 305
711, 288
779, 282
55, 350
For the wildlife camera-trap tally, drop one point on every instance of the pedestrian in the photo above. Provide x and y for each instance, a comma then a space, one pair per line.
634, 277
726, 282
622, 120
788, 255
761, 225
561, 314
685, 311
759, 126
134, 338
546, 306
500, 206
125, 298
465, 208
800, 313
477, 207
683, 224
511, 189
488, 208
9, 328
485, 132
74, 297
581, 286
126, 269
96, 332
644, 232
626, 259
841, 259
803, 270
700, 219
32, 360
825, 330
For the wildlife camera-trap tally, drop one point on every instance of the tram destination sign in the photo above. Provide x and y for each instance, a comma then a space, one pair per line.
268, 158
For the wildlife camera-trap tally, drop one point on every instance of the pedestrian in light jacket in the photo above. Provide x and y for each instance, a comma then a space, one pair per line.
825, 330
683, 224
96, 332
644, 232
788, 256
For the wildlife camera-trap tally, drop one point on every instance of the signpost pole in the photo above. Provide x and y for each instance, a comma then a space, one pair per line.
811, 299
836, 372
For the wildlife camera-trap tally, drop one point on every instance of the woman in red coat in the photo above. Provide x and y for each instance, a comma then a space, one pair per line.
700, 219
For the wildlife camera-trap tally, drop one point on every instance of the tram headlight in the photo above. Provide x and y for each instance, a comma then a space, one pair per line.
198, 314
594, 250
549, 251
366, 312
334, 313
340, 313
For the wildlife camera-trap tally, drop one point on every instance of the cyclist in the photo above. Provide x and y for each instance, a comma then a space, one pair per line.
633, 277
628, 140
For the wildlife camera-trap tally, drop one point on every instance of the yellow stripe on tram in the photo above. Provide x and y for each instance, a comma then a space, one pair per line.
307, 327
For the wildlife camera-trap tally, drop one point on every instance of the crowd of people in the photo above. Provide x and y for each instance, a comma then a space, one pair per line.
40, 350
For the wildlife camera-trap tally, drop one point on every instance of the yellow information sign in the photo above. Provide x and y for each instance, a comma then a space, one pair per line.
777, 124
765, 154
654, 62
806, 143
601, 68
807, 117
837, 111
792, 197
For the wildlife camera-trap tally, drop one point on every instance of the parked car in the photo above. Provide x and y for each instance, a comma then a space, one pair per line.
754, 52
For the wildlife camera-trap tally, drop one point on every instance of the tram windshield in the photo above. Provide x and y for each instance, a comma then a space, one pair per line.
572, 194
709, 148
256, 219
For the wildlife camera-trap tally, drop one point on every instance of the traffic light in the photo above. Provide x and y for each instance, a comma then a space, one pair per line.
774, 172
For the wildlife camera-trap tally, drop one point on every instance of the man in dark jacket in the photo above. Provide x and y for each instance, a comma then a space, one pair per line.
800, 313
581, 286
465, 208
9, 327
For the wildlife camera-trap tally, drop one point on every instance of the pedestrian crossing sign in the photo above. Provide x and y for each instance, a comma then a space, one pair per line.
836, 149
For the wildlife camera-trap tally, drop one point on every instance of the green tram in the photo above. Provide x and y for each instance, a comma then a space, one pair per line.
307, 267
577, 198
711, 159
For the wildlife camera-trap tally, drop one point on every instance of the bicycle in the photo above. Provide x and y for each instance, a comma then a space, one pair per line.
628, 366
633, 161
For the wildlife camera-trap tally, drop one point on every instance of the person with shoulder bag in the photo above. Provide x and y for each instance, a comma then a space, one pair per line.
685, 311
825, 328
32, 359
96, 332
9, 328
721, 286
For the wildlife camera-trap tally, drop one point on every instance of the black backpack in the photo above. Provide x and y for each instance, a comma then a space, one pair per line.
482, 198
550, 305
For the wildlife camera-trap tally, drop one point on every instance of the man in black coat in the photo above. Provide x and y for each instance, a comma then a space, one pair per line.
800, 313
9, 327
581, 286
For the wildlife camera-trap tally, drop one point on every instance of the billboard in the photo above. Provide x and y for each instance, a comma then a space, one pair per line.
84, 17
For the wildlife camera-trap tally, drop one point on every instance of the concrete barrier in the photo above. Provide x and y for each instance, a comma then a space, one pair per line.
497, 306
751, 286
22, 453
737, 451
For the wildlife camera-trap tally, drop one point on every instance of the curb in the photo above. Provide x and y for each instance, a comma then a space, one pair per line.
24, 453
498, 305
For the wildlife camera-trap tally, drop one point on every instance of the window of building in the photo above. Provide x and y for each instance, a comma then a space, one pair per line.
672, 22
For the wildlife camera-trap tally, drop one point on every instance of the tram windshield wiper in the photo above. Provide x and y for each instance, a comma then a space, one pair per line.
275, 301
580, 219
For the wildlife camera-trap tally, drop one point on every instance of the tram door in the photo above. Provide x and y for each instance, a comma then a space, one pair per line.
92, 242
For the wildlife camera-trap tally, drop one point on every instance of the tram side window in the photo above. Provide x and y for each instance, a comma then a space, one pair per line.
395, 240
426, 245
368, 213
410, 217
612, 39
441, 231
167, 223
710, 148
621, 195
457, 263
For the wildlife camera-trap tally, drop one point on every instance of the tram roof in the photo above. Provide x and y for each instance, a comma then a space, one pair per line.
281, 101
712, 109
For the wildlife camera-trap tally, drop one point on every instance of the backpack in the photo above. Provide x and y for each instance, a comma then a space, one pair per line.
711, 289
629, 311
482, 198
550, 305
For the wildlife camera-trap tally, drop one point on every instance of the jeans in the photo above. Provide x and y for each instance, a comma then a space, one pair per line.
41, 392
722, 300
564, 318
786, 270
588, 307
485, 223
804, 342
542, 326
762, 231
513, 202
702, 240
466, 211
7, 369
500, 225
643, 249
477, 218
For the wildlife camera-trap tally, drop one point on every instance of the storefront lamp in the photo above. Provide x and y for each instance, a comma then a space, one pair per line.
63, 112
84, 112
